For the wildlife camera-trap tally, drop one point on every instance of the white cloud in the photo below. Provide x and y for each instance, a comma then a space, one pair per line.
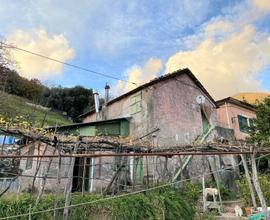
38, 41
228, 66
139, 75
227, 55
262, 5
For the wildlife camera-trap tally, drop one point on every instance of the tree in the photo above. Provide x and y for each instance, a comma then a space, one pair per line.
260, 132
73, 101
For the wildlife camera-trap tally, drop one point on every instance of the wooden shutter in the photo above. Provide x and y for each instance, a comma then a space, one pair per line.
243, 123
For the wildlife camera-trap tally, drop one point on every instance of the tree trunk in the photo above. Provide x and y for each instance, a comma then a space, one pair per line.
257, 186
243, 158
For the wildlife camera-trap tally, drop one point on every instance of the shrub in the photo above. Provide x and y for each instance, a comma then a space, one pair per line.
245, 193
157, 204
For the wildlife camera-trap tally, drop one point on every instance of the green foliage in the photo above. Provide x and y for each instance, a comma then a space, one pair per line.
152, 205
205, 216
73, 101
260, 132
14, 84
191, 191
245, 193
227, 194
13, 107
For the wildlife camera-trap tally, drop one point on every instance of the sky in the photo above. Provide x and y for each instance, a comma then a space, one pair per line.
226, 44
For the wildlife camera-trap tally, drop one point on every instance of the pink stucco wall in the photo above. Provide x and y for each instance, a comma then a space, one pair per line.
169, 105
227, 117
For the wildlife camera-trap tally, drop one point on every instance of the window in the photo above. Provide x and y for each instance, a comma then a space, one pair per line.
135, 103
29, 161
245, 123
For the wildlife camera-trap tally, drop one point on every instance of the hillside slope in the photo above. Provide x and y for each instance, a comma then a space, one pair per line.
251, 97
12, 106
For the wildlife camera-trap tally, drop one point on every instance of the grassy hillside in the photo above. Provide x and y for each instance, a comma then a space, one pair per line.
251, 97
12, 106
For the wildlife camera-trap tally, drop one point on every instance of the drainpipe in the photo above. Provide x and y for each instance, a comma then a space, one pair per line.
227, 115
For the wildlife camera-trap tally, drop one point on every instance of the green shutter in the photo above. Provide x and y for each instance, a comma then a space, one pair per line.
251, 122
139, 170
243, 123
124, 128
135, 103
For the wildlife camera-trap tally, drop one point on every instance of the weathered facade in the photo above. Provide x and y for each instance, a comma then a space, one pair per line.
236, 115
40, 167
168, 103
171, 110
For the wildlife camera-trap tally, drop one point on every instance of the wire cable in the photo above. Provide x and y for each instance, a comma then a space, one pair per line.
65, 63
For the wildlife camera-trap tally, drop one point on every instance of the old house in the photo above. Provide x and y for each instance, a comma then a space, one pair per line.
236, 115
179, 110
171, 110
177, 104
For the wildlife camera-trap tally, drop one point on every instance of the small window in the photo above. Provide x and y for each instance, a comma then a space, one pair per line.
29, 161
135, 103
245, 123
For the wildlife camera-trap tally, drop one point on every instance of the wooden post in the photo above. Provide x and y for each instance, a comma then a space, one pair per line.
257, 185
216, 175
204, 199
84, 172
58, 186
68, 188
243, 158
44, 179
147, 171
39, 161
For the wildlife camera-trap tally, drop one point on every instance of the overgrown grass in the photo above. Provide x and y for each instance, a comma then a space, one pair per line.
12, 106
161, 204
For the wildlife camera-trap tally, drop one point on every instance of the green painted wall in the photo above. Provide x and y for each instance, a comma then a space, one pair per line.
115, 128
108, 129
87, 131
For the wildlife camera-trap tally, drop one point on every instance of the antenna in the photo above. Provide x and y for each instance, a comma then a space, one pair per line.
200, 99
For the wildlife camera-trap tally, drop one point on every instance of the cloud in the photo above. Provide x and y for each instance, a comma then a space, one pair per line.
227, 55
262, 5
38, 41
139, 75
228, 66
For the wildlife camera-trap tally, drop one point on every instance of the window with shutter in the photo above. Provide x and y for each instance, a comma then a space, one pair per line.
251, 122
135, 103
243, 123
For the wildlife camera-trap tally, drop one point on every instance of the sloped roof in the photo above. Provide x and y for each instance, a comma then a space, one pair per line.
235, 102
155, 81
